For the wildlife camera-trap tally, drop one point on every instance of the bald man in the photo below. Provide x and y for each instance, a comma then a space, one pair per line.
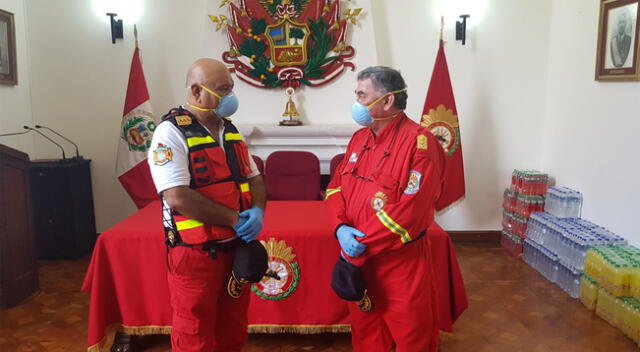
213, 198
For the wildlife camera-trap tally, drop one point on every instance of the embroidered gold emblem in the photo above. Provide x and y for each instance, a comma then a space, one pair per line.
378, 201
422, 142
235, 286
365, 303
283, 273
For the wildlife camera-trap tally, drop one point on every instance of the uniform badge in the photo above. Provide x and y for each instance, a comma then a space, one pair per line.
283, 273
378, 201
422, 142
353, 158
235, 286
171, 237
183, 120
162, 155
413, 185
365, 303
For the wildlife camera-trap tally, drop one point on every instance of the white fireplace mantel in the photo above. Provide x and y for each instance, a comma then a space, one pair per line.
324, 141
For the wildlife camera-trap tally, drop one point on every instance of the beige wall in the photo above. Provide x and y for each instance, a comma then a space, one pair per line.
526, 98
15, 101
591, 128
499, 83
80, 79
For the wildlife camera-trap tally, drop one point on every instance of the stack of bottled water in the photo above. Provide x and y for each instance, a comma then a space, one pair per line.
563, 202
586, 260
524, 197
541, 259
569, 239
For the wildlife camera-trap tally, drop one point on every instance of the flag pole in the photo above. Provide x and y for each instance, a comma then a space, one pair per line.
441, 29
135, 34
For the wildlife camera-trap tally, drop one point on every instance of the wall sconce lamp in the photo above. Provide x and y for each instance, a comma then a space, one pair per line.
461, 28
116, 28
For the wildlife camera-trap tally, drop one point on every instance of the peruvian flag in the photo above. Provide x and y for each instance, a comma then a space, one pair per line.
138, 124
441, 117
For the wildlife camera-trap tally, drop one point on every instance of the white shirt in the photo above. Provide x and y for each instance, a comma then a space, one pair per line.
168, 157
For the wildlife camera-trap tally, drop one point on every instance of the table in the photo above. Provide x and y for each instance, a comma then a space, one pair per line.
127, 280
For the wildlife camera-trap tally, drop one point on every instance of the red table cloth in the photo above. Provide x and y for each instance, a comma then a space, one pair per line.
127, 279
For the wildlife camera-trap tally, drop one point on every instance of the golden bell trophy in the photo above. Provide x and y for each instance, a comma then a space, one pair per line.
290, 110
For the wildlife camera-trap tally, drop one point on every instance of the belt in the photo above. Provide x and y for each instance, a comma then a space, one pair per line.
214, 246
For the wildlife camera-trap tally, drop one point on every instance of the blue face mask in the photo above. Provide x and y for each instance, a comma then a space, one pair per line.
361, 115
227, 105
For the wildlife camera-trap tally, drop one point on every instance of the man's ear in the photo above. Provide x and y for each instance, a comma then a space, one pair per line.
195, 91
389, 101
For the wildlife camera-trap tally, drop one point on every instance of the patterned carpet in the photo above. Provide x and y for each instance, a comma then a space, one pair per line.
512, 308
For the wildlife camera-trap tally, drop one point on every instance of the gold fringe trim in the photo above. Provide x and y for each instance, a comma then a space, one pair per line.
442, 211
107, 341
110, 333
298, 329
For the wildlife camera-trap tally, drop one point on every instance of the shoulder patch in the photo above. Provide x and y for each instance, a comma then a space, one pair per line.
422, 142
162, 155
183, 120
413, 185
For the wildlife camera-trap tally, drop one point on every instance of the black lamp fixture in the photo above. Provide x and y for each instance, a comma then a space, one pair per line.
116, 28
461, 29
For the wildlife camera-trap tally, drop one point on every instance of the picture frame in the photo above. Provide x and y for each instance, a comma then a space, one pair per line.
618, 45
8, 67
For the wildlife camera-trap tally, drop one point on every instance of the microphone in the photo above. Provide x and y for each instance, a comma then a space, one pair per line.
50, 140
13, 134
63, 137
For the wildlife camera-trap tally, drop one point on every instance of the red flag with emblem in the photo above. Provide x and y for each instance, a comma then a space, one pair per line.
441, 117
136, 129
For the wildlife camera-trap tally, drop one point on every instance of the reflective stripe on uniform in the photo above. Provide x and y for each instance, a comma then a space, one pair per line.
232, 136
388, 222
188, 224
195, 141
332, 191
244, 187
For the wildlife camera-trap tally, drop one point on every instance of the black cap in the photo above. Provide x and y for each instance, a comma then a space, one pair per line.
250, 262
249, 266
348, 283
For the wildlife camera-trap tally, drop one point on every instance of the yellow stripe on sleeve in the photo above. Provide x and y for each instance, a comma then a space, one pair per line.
332, 191
388, 222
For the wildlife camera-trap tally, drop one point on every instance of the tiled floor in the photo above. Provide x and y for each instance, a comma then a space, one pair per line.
511, 308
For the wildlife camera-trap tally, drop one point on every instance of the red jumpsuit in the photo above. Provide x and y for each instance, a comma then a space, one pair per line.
386, 187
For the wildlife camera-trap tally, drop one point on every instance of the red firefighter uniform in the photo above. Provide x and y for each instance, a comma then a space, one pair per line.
205, 317
386, 187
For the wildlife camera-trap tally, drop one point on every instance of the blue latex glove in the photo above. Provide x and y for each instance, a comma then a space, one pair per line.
249, 224
347, 238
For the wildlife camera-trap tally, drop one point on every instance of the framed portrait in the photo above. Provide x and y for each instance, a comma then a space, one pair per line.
8, 69
617, 57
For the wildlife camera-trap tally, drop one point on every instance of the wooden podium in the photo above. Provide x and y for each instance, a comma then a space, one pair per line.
18, 268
